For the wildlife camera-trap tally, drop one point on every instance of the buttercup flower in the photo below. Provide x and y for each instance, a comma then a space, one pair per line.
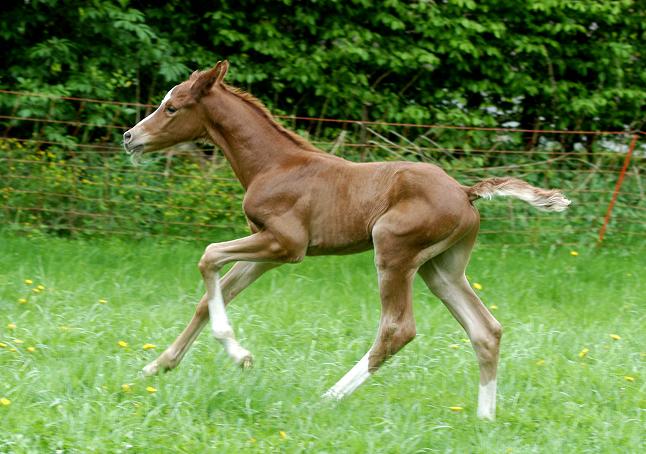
456, 408
28, 281
574, 253
493, 307
22, 300
122, 344
11, 326
102, 301
540, 362
31, 349
151, 390
5, 402
148, 346
583, 352
283, 435
629, 378
40, 287
126, 388
477, 286
615, 337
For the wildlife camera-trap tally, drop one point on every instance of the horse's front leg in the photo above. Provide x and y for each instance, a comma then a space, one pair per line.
259, 247
239, 277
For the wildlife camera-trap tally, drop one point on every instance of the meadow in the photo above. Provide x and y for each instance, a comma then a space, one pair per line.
80, 318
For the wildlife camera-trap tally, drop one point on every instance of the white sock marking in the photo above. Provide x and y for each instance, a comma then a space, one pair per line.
487, 401
221, 327
350, 381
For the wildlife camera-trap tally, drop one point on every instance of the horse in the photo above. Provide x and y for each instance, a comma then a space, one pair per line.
300, 201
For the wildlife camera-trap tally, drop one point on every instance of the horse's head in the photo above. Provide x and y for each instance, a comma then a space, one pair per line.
179, 118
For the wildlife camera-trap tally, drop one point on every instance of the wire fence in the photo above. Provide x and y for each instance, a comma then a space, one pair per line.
63, 171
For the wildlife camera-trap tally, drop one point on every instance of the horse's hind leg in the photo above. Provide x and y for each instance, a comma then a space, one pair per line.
396, 267
396, 329
445, 277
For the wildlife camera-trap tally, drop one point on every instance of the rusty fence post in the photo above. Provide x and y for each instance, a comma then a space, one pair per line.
620, 180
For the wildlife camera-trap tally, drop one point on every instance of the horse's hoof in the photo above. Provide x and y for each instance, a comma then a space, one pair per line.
246, 362
151, 369
332, 395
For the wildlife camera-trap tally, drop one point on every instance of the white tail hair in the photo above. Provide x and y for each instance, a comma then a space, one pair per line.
543, 199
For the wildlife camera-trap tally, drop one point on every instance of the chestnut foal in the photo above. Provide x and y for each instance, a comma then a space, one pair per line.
301, 201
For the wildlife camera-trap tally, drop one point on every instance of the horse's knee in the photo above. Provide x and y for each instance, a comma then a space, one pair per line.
202, 309
209, 260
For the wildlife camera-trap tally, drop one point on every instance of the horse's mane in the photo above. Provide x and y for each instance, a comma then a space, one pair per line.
262, 109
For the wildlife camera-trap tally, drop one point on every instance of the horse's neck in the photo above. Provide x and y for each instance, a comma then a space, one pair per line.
250, 141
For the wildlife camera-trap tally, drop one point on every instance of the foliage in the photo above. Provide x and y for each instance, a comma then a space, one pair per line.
539, 63
77, 191
535, 64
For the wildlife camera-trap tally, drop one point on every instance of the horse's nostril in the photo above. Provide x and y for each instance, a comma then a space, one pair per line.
127, 137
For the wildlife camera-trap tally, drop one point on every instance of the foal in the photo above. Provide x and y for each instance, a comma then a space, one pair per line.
301, 201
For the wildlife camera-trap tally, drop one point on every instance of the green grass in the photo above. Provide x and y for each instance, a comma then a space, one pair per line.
307, 325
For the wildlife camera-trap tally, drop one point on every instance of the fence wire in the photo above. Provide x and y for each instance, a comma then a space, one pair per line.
63, 171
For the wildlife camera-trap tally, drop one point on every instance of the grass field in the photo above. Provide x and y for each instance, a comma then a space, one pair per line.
565, 385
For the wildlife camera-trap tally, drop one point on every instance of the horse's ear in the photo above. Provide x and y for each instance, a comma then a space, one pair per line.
204, 81
224, 68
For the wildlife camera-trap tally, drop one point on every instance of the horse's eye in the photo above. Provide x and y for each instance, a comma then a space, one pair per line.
171, 109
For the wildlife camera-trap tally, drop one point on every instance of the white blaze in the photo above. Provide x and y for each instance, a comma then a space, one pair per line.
166, 98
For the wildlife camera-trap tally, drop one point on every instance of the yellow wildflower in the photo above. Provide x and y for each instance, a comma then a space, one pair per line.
283, 435
22, 300
31, 349
11, 326
540, 362
615, 337
5, 402
2, 345
477, 286
28, 281
574, 253
151, 390
40, 287
102, 301
454, 346
126, 388
148, 346
465, 340
122, 344
18, 341
493, 307
252, 440
36, 290
456, 408
64, 328
583, 352
629, 378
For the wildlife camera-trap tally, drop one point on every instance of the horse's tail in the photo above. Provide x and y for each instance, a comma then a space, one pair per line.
543, 199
